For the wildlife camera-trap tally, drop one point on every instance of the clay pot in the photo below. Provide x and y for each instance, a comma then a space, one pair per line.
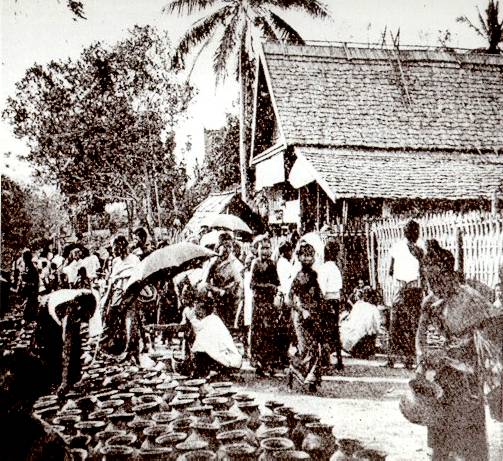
167, 390
179, 406
101, 414
155, 454
281, 432
116, 453
68, 422
122, 440
201, 412
163, 417
319, 441
195, 382
181, 424
346, 449
299, 431
120, 420
223, 416
112, 403
291, 455
237, 452
90, 427
145, 410
291, 422
185, 447
170, 440
198, 455
137, 426
369, 455
270, 422
218, 403
251, 411
79, 441
270, 446
126, 397
147, 398
205, 432
86, 405
272, 404
151, 434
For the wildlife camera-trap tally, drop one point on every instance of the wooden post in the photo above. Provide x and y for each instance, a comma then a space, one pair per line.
494, 203
460, 248
345, 207
317, 207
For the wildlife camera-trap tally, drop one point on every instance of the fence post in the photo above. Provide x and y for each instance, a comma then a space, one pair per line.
460, 248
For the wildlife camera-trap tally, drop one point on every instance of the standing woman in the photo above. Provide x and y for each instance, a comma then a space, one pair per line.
119, 335
264, 284
28, 285
306, 301
461, 315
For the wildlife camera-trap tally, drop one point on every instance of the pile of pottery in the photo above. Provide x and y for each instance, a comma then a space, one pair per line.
128, 413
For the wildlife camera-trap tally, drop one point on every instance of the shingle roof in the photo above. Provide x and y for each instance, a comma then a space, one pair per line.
426, 175
214, 203
357, 97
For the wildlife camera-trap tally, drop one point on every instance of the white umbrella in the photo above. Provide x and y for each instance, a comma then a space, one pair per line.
227, 221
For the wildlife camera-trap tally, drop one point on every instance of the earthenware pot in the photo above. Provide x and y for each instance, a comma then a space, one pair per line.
205, 432
346, 449
122, 440
237, 452
270, 446
198, 455
152, 433
155, 454
319, 441
299, 431
117, 453
269, 422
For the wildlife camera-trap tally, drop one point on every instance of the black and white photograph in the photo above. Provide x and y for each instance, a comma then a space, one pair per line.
237, 230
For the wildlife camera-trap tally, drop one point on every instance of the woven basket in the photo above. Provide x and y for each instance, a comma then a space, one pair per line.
420, 404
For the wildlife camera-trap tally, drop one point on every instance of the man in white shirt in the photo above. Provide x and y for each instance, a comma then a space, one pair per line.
405, 268
330, 281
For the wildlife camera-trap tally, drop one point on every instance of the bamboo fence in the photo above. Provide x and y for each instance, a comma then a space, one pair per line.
475, 239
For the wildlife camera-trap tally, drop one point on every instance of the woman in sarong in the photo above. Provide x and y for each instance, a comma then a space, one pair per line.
306, 314
121, 335
28, 286
265, 317
466, 362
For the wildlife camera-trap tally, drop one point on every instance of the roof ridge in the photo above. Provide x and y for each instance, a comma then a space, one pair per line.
341, 52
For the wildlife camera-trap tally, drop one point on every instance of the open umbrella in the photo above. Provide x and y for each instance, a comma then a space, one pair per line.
211, 238
227, 221
58, 297
169, 260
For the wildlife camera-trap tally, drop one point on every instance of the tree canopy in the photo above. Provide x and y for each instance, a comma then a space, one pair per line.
102, 126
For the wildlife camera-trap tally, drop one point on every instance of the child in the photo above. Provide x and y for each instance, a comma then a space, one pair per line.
306, 305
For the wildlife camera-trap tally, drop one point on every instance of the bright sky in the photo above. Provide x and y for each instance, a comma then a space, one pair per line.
43, 30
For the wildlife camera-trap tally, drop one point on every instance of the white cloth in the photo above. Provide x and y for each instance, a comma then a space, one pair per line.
92, 265
71, 271
406, 265
285, 270
248, 299
213, 338
364, 320
330, 280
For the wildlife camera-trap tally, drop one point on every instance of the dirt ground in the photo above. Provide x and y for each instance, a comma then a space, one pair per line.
362, 403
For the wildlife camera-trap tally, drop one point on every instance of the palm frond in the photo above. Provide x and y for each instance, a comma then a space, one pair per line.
227, 46
284, 31
314, 8
482, 23
267, 30
465, 20
187, 6
200, 31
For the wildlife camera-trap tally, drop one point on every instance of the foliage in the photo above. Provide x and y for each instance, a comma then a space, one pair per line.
221, 161
490, 27
102, 126
238, 23
28, 215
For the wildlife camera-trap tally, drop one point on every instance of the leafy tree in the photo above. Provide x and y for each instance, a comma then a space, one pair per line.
237, 25
490, 27
28, 214
221, 161
102, 126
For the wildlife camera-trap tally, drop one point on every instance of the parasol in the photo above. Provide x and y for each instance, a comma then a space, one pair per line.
58, 297
211, 238
229, 222
171, 260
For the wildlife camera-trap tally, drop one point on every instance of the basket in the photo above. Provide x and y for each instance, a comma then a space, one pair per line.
420, 404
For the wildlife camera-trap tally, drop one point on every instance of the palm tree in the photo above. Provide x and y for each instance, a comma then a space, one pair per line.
490, 27
238, 25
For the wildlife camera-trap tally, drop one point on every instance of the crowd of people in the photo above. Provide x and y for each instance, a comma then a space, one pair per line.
283, 304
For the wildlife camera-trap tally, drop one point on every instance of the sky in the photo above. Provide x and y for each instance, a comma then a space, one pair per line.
44, 30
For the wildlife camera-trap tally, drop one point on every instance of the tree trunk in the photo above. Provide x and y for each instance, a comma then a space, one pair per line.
148, 206
243, 157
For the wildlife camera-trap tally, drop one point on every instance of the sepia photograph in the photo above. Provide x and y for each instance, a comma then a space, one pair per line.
241, 230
